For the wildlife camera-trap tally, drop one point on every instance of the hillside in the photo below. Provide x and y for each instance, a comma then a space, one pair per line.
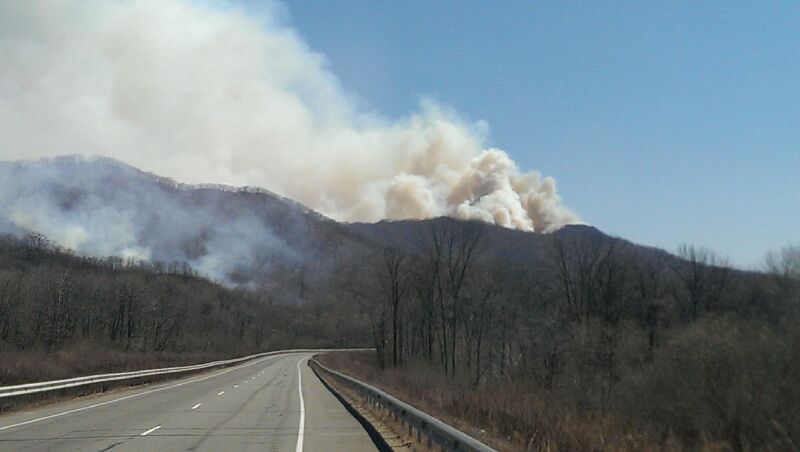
102, 207
242, 237
63, 315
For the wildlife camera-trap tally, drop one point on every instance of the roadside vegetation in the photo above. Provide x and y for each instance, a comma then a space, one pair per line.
602, 345
63, 315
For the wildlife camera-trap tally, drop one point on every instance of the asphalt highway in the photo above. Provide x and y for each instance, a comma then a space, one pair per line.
269, 404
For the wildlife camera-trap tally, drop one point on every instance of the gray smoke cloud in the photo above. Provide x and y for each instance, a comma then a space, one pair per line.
101, 207
208, 93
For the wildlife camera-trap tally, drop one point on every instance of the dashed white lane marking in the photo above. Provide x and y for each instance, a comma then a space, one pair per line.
196, 406
302, 426
76, 410
221, 392
145, 433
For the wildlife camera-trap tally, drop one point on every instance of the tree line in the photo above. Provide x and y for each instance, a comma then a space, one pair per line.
599, 326
52, 301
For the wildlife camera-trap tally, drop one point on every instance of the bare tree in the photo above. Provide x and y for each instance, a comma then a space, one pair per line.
426, 283
703, 276
461, 244
393, 278
652, 288
478, 317
365, 288
10, 288
784, 263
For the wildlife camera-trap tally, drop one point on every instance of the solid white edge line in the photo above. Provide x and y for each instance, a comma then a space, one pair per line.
196, 406
76, 410
302, 426
145, 433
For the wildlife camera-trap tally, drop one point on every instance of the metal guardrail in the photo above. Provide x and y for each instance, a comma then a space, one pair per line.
32, 388
436, 431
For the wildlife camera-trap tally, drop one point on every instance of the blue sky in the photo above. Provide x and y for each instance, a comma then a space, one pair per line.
665, 123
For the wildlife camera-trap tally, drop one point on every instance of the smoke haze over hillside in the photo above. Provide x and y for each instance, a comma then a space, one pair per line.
100, 207
211, 94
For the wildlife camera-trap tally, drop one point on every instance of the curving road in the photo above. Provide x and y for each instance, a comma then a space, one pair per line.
269, 404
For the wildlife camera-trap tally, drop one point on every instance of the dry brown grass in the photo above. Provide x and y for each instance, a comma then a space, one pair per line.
505, 417
27, 366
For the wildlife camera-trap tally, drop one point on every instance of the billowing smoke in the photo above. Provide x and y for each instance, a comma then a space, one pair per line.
101, 207
209, 93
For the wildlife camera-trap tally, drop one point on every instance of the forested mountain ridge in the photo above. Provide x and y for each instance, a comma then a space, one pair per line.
239, 236
102, 207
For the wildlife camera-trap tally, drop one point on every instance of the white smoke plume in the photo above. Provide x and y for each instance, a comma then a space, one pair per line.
209, 93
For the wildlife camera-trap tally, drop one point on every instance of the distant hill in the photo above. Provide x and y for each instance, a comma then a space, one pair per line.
102, 207
238, 236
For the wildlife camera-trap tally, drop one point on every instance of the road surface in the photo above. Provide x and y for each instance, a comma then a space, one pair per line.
254, 406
